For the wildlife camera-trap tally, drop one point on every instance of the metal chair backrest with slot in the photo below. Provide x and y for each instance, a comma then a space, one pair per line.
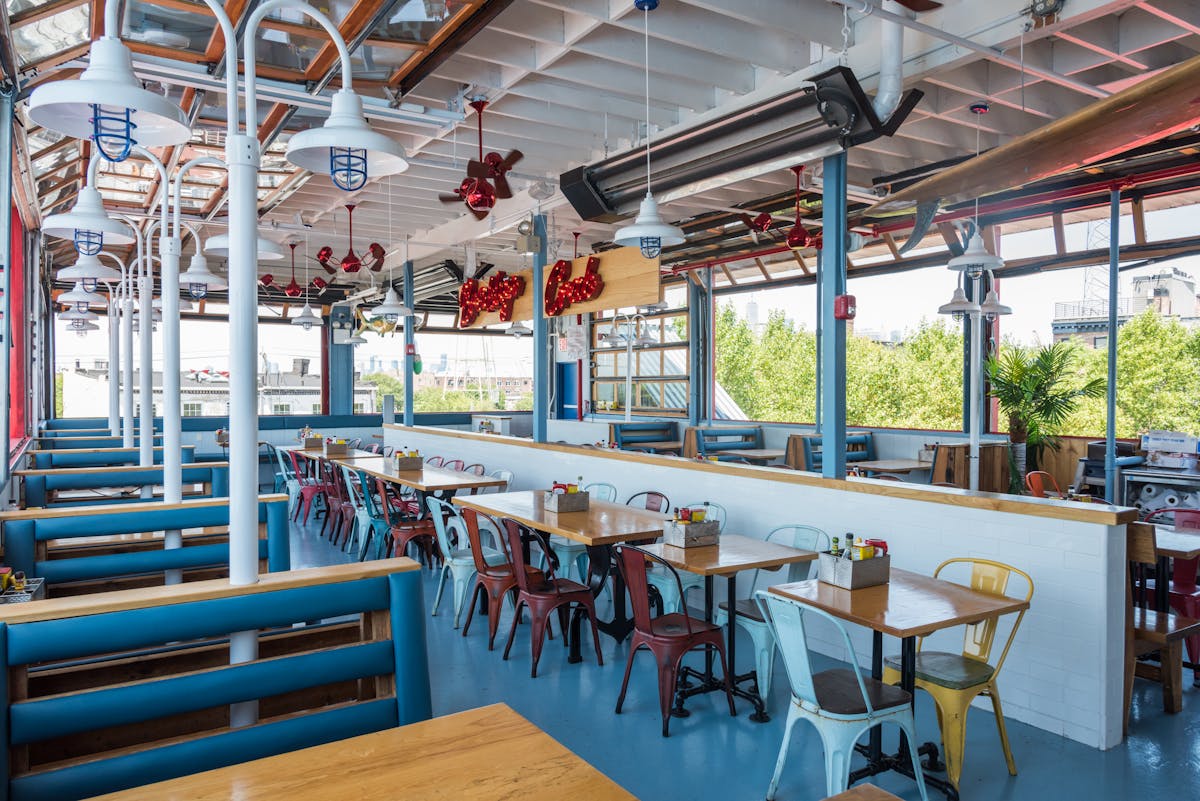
1038, 481
652, 501
504, 475
435, 461
599, 491
389, 451
992, 578
474, 469
712, 511
454, 464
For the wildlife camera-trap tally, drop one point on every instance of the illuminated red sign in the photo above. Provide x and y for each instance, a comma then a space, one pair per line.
562, 290
497, 295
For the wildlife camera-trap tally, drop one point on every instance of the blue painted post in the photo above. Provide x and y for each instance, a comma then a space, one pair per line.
341, 373
696, 301
833, 332
410, 342
541, 335
1110, 425
819, 377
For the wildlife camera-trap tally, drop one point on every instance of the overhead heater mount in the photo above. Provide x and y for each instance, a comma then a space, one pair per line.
832, 115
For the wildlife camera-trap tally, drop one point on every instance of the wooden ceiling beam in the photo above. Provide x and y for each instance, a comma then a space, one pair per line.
44, 11
351, 26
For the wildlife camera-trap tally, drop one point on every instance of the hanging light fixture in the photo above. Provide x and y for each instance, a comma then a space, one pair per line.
648, 233
219, 246
959, 304
345, 147
88, 225
991, 308
198, 280
391, 309
79, 298
81, 327
518, 329
89, 272
108, 105
975, 260
307, 318
356, 339
293, 289
74, 314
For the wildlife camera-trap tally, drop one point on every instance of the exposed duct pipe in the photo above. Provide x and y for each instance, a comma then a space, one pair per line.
891, 65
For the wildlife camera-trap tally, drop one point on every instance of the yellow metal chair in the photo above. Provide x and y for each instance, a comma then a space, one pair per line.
954, 680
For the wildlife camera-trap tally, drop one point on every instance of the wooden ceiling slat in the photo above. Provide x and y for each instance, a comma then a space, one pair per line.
44, 11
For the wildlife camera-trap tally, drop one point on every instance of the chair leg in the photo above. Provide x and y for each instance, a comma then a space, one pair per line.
994, 693
792, 717
728, 680
764, 658
537, 637
953, 705
668, 677
471, 610
1172, 676
460, 594
595, 637
838, 740
437, 599
512, 631
625, 682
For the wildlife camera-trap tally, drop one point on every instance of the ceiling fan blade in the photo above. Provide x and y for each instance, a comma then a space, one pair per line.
512, 158
480, 214
328, 268
448, 198
748, 220
502, 188
477, 169
920, 5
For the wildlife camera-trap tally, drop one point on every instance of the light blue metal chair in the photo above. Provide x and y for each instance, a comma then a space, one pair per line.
750, 618
602, 492
457, 564
290, 482
668, 588
380, 531
571, 553
362, 517
841, 703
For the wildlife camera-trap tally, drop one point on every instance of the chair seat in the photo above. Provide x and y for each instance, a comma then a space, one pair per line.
464, 555
953, 671
746, 608
675, 624
563, 543
837, 692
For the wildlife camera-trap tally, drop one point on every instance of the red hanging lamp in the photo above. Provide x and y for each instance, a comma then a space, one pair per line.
293, 290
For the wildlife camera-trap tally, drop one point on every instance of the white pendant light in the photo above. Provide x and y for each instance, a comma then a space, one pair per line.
89, 271
184, 305
79, 298
81, 327
991, 306
975, 260
88, 225
108, 105
75, 314
648, 233
958, 305
198, 280
306, 318
219, 246
391, 309
519, 329
345, 148
356, 339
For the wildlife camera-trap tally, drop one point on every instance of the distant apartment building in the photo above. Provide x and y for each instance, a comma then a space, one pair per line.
1171, 292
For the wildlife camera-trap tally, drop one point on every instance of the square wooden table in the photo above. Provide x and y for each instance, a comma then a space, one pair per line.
731, 555
756, 455
909, 606
1171, 543
891, 465
599, 528
427, 479
478, 755
319, 453
664, 446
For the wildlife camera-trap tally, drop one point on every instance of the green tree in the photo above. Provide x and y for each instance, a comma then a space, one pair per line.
58, 395
385, 385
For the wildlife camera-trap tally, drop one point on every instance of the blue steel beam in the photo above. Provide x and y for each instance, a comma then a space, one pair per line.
833, 332
410, 341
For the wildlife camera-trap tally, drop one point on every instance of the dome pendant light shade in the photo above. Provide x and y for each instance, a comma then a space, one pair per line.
198, 280
958, 305
108, 105
648, 232
975, 260
306, 318
88, 224
72, 314
392, 309
219, 246
345, 147
992, 307
89, 272
80, 298
519, 329
356, 339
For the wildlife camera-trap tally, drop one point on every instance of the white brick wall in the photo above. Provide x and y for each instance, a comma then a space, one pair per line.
1064, 671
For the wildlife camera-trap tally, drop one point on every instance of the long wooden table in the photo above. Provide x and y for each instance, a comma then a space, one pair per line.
731, 555
427, 479
909, 606
599, 528
319, 453
482, 754
756, 455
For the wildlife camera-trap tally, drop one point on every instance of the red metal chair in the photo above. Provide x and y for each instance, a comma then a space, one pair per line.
340, 509
651, 500
1038, 480
311, 486
434, 461
475, 469
492, 581
668, 637
543, 592
1184, 593
405, 530
454, 464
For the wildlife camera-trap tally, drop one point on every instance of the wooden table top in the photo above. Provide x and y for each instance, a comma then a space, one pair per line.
482, 754
864, 792
754, 454
603, 523
1176, 543
892, 465
319, 453
733, 553
665, 445
427, 479
910, 605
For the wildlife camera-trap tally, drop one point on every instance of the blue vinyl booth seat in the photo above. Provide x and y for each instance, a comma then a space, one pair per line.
38, 486
384, 664
68, 442
107, 457
722, 438
631, 436
812, 450
25, 539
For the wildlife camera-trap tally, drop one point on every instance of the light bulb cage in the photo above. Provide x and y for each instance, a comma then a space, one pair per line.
348, 167
112, 131
88, 243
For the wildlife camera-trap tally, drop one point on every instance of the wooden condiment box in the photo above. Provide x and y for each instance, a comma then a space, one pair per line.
682, 534
561, 502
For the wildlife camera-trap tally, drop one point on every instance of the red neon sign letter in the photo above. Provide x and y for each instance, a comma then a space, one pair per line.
497, 295
562, 290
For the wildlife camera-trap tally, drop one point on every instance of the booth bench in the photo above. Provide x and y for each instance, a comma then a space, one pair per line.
98, 457
63, 443
42, 487
661, 436
112, 691
717, 440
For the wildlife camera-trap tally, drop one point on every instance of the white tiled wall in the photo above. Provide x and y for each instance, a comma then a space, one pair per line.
1064, 672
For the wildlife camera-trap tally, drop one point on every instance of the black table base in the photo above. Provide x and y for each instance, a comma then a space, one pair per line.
600, 567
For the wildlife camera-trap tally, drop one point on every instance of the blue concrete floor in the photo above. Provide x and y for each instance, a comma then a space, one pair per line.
711, 755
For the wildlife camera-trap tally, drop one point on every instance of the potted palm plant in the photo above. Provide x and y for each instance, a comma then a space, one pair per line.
1036, 393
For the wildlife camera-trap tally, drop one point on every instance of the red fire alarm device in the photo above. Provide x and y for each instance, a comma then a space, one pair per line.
844, 307
410, 350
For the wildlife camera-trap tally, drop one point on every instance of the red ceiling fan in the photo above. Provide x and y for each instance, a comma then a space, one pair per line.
486, 180
351, 263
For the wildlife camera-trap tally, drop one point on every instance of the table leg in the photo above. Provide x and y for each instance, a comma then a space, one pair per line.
600, 567
876, 742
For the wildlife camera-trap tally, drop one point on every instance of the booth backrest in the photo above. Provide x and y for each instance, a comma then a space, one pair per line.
859, 448
724, 438
629, 435
123, 725
60, 443
27, 535
951, 465
40, 484
98, 457
53, 433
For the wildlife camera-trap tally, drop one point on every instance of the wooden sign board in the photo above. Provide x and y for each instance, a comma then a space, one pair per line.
628, 279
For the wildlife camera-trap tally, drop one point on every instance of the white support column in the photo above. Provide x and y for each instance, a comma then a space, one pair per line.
127, 366
114, 372
146, 369
171, 413
975, 386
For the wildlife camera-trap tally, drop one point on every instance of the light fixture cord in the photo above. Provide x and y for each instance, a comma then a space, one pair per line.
646, 38
977, 116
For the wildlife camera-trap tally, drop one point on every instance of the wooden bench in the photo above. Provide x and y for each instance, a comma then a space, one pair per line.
90, 549
70, 486
1149, 630
113, 691
804, 451
98, 457
714, 440
661, 436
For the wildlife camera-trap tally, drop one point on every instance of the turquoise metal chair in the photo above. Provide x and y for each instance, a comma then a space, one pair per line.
571, 553
750, 618
602, 492
290, 482
841, 703
458, 563
668, 588
361, 531
380, 531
